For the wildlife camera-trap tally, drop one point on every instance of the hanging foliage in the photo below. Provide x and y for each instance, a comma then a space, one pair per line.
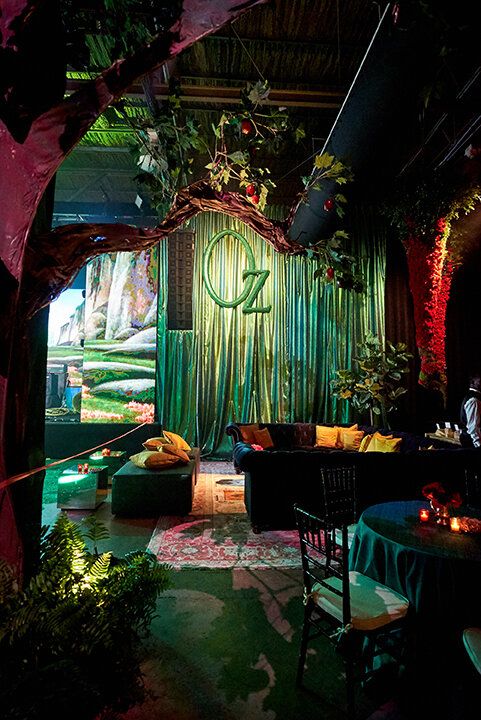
423, 213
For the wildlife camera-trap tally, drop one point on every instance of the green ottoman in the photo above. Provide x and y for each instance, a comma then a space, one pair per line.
138, 492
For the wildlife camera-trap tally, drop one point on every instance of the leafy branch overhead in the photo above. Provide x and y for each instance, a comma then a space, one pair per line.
238, 147
328, 168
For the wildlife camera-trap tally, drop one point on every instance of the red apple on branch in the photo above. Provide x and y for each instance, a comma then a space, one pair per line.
246, 126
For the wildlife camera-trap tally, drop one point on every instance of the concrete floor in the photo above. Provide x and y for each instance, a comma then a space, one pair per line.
224, 644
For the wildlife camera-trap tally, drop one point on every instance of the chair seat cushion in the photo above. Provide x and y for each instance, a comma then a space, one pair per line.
373, 605
472, 643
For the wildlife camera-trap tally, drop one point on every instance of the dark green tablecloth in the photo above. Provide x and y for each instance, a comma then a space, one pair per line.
437, 570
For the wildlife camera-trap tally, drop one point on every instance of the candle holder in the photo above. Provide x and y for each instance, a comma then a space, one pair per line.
424, 515
454, 525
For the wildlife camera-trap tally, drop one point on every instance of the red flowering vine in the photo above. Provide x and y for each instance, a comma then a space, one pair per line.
423, 211
431, 265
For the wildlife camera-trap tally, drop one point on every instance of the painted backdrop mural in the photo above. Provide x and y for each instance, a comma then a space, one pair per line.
120, 338
65, 357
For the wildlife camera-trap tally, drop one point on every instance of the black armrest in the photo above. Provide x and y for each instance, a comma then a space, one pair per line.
234, 432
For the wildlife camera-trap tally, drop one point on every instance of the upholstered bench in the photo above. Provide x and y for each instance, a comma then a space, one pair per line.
139, 492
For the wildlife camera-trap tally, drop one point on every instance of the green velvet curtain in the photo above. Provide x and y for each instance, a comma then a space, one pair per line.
273, 367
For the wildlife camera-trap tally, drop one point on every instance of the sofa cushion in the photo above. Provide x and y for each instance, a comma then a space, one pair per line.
263, 438
327, 437
384, 444
304, 434
247, 432
282, 434
350, 439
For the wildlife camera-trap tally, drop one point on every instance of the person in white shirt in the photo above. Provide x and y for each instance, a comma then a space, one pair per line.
471, 414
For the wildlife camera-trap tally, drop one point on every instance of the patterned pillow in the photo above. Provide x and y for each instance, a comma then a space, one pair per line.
263, 438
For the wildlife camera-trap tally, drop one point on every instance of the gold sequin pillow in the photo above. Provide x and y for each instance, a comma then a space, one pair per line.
155, 443
160, 460
177, 441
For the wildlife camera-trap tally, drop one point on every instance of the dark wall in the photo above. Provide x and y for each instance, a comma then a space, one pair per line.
65, 439
463, 322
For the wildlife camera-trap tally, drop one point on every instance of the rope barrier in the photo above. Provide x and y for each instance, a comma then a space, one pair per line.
21, 476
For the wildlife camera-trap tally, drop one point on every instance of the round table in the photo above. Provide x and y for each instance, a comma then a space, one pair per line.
439, 572
436, 569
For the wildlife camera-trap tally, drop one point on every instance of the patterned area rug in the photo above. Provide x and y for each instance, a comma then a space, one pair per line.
217, 533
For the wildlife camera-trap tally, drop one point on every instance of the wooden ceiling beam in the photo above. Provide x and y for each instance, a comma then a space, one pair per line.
223, 95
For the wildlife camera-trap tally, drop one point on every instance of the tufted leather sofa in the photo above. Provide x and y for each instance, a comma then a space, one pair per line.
275, 479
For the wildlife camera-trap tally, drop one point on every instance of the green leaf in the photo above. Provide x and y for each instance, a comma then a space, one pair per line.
239, 157
324, 161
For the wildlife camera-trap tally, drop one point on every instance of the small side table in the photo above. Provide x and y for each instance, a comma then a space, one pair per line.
114, 461
82, 491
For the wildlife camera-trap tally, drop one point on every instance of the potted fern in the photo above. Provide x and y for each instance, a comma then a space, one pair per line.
70, 639
374, 385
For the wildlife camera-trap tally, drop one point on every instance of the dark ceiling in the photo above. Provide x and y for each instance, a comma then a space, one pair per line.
308, 50
324, 61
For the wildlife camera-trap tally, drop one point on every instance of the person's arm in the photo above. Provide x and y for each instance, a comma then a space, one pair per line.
473, 420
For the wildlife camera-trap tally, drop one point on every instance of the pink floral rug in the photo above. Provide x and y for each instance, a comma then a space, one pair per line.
217, 533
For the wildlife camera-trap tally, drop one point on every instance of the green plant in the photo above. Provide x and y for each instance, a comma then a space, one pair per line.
416, 204
70, 639
375, 384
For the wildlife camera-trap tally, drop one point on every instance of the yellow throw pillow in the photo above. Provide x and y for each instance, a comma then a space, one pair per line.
379, 435
351, 439
181, 455
365, 443
154, 443
340, 443
247, 433
327, 436
139, 458
160, 460
177, 441
263, 438
384, 444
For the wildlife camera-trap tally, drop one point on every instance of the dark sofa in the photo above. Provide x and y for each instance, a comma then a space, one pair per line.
277, 478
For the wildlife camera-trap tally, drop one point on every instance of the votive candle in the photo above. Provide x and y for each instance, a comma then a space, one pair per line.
454, 525
86, 467
423, 514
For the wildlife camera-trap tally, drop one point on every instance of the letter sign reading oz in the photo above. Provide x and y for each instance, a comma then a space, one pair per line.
254, 280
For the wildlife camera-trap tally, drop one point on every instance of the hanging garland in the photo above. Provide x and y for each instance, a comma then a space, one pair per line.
431, 268
423, 212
